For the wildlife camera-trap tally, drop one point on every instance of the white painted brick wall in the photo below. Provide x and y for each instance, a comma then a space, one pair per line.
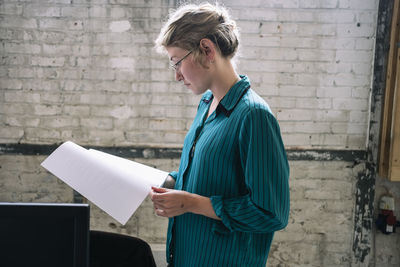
310, 59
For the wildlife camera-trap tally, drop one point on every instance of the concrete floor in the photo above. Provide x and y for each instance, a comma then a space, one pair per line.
159, 254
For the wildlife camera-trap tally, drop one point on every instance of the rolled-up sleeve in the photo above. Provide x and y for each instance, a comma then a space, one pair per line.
173, 174
265, 207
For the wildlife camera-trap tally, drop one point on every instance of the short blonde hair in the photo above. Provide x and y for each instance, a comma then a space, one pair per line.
190, 23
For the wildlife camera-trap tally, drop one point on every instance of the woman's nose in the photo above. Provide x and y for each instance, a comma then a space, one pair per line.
178, 75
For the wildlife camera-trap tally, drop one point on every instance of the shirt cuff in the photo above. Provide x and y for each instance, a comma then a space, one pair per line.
223, 226
173, 174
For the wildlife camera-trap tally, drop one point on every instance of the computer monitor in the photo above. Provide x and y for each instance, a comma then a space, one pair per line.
41, 234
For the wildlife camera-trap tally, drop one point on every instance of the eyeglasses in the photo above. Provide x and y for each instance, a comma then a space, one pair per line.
177, 64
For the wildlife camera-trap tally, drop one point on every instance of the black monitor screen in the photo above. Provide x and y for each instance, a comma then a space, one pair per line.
38, 234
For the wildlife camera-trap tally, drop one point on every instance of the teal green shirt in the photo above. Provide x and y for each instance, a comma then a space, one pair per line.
237, 158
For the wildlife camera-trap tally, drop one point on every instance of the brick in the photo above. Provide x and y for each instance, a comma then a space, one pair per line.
335, 16
281, 102
40, 85
275, 27
351, 104
99, 75
334, 92
161, 75
14, 84
308, 29
97, 123
40, 134
357, 128
295, 115
353, 30
318, 3
332, 115
21, 73
113, 86
46, 109
310, 80
311, 127
12, 109
74, 110
10, 133
261, 14
316, 55
328, 67
122, 112
169, 124
60, 122
75, 12
57, 49
314, 103
277, 54
11, 9
337, 43
117, 12
22, 48
131, 124
105, 137
358, 116
364, 44
48, 61
115, 38
93, 99
349, 79
356, 141
17, 96
328, 139
360, 92
3, 73
293, 91
363, 5
51, 23
122, 63
41, 11
292, 139
120, 26
14, 60
361, 68
354, 56
50, 98
19, 22
98, 12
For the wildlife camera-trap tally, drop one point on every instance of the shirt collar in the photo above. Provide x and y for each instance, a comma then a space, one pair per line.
230, 100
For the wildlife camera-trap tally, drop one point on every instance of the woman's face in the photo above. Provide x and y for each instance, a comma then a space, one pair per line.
190, 72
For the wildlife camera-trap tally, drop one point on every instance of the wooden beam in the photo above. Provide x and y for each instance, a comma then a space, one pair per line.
387, 112
394, 159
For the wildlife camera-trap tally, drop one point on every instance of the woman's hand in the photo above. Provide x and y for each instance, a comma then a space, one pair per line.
170, 203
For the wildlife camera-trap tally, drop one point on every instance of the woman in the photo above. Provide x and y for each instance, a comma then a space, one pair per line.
231, 192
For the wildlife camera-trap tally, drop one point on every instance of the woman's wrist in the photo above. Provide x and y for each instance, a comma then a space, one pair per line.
201, 205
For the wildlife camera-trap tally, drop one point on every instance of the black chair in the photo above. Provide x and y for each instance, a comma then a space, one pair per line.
116, 250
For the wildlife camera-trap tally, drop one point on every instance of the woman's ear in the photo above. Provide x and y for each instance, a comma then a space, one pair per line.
208, 48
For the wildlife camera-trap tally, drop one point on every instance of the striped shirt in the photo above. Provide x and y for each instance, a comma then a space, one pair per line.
237, 158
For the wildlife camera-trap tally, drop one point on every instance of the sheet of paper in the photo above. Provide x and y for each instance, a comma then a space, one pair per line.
116, 185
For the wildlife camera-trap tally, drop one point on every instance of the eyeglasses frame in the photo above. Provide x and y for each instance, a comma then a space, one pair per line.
176, 65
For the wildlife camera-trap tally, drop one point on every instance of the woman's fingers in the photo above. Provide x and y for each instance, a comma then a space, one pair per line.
159, 189
168, 202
